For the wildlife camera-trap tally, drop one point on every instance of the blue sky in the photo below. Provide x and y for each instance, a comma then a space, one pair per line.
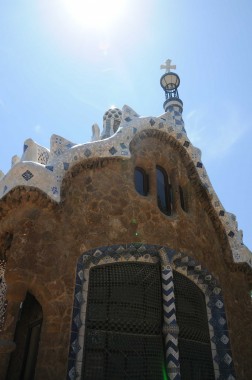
62, 65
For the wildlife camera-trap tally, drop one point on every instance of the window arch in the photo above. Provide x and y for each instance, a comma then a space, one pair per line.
141, 181
164, 191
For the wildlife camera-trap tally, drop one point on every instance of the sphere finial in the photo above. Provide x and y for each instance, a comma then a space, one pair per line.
170, 82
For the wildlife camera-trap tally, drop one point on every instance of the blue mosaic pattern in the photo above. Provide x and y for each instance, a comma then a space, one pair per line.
54, 190
186, 144
176, 114
70, 145
124, 152
43, 156
58, 151
87, 153
112, 151
199, 165
168, 297
220, 344
27, 175
171, 337
49, 167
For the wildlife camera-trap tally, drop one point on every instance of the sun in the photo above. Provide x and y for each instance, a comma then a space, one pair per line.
95, 14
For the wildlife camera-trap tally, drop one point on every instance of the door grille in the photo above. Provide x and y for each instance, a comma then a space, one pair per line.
123, 338
195, 354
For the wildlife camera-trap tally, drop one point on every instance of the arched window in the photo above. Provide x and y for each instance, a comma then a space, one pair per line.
195, 353
141, 181
164, 191
183, 202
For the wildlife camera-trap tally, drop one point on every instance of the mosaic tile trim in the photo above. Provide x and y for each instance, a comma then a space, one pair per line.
64, 154
35, 152
170, 326
58, 145
220, 345
27, 175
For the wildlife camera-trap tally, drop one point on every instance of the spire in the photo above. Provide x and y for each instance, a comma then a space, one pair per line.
170, 82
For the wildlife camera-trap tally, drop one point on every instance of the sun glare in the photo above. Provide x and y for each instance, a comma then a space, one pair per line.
95, 14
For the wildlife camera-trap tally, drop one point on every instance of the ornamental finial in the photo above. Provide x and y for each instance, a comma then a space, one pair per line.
167, 66
169, 82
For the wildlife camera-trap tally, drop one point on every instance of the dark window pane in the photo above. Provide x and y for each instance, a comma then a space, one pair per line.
123, 340
164, 191
141, 181
32, 345
22, 363
196, 362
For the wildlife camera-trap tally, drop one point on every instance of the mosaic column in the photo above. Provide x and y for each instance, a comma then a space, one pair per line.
170, 327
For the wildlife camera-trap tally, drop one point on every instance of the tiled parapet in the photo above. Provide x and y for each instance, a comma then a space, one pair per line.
29, 174
45, 170
58, 146
34, 152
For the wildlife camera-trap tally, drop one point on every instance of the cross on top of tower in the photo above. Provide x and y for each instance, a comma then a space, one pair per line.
167, 66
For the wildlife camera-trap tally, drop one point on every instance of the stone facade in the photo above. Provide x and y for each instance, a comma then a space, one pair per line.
61, 206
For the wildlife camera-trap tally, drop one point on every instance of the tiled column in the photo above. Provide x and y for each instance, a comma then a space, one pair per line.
170, 327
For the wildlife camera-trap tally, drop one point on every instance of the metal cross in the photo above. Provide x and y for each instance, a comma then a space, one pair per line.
167, 66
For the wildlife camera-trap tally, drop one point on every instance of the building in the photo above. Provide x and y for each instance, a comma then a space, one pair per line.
119, 259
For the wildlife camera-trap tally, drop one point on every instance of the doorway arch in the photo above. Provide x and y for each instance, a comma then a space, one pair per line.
170, 261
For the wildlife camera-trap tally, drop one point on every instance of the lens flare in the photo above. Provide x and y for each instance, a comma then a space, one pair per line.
95, 14
165, 377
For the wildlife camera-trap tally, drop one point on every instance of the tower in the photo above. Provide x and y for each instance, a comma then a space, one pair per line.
120, 260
